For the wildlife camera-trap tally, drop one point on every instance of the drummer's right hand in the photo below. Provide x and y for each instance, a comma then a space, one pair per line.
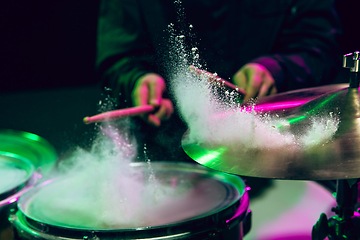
149, 90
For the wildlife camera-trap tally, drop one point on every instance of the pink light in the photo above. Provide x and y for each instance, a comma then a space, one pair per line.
12, 200
265, 107
277, 106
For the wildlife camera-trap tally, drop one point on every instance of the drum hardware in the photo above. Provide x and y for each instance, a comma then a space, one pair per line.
346, 224
352, 61
17, 177
225, 218
20, 152
338, 159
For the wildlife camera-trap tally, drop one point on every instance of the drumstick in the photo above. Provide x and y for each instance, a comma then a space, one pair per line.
116, 114
215, 79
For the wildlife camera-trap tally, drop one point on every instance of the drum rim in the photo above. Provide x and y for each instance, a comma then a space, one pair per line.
226, 212
22, 163
39, 151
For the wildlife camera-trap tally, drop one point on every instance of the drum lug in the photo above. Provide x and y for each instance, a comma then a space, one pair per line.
91, 236
43, 228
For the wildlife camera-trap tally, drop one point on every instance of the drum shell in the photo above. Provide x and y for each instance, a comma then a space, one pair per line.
214, 226
9, 197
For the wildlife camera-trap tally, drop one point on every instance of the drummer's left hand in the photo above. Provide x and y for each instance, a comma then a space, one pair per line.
256, 80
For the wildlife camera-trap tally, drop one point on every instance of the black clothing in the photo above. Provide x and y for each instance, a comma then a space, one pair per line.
294, 39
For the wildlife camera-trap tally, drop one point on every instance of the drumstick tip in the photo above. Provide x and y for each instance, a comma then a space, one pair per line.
86, 120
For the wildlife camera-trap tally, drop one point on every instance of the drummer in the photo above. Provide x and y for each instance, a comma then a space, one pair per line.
264, 47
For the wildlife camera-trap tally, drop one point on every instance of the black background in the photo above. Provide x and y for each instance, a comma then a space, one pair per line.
47, 44
52, 44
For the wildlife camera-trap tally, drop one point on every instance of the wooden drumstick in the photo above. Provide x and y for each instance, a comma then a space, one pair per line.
215, 79
121, 113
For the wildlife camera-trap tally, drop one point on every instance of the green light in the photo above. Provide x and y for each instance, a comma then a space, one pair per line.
324, 102
334, 194
211, 155
31, 136
291, 121
297, 119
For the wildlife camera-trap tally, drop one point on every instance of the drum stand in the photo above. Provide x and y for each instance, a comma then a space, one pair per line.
346, 224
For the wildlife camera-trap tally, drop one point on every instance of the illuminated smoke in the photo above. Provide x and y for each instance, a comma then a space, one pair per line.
216, 117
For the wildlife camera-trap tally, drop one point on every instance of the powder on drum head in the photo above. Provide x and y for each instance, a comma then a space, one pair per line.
99, 189
87, 200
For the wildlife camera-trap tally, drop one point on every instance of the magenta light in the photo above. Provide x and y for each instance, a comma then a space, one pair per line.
263, 107
12, 200
277, 106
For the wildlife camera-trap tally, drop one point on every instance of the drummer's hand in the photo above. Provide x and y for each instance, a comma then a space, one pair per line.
256, 80
148, 90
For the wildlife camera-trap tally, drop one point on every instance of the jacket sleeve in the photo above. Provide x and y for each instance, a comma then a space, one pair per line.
306, 52
123, 50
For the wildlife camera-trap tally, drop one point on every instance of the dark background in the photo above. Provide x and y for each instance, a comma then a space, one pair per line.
47, 44
51, 44
47, 55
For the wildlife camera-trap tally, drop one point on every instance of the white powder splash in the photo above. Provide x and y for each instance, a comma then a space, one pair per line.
100, 189
216, 117
221, 120
103, 189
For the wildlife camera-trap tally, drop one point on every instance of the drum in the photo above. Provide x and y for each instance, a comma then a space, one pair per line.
30, 146
17, 175
175, 201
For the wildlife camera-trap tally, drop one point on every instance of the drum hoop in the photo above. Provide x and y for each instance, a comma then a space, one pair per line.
24, 164
186, 226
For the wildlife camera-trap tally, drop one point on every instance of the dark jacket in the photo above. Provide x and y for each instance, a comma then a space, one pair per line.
294, 39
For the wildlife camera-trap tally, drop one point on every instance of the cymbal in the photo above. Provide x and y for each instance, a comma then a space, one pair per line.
339, 158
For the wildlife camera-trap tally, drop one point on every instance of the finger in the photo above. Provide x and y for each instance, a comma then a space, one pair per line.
273, 90
156, 89
254, 81
165, 111
153, 120
251, 92
140, 94
268, 85
240, 80
264, 90
267, 88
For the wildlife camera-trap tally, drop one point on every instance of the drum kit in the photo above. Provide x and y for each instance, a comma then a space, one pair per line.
228, 215
338, 159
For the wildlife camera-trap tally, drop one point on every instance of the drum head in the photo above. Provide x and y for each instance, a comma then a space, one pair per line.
15, 172
163, 194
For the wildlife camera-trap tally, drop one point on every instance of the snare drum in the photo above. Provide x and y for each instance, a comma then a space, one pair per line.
194, 203
17, 175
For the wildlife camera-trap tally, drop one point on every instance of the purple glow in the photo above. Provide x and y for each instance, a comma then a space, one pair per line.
47, 182
300, 61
